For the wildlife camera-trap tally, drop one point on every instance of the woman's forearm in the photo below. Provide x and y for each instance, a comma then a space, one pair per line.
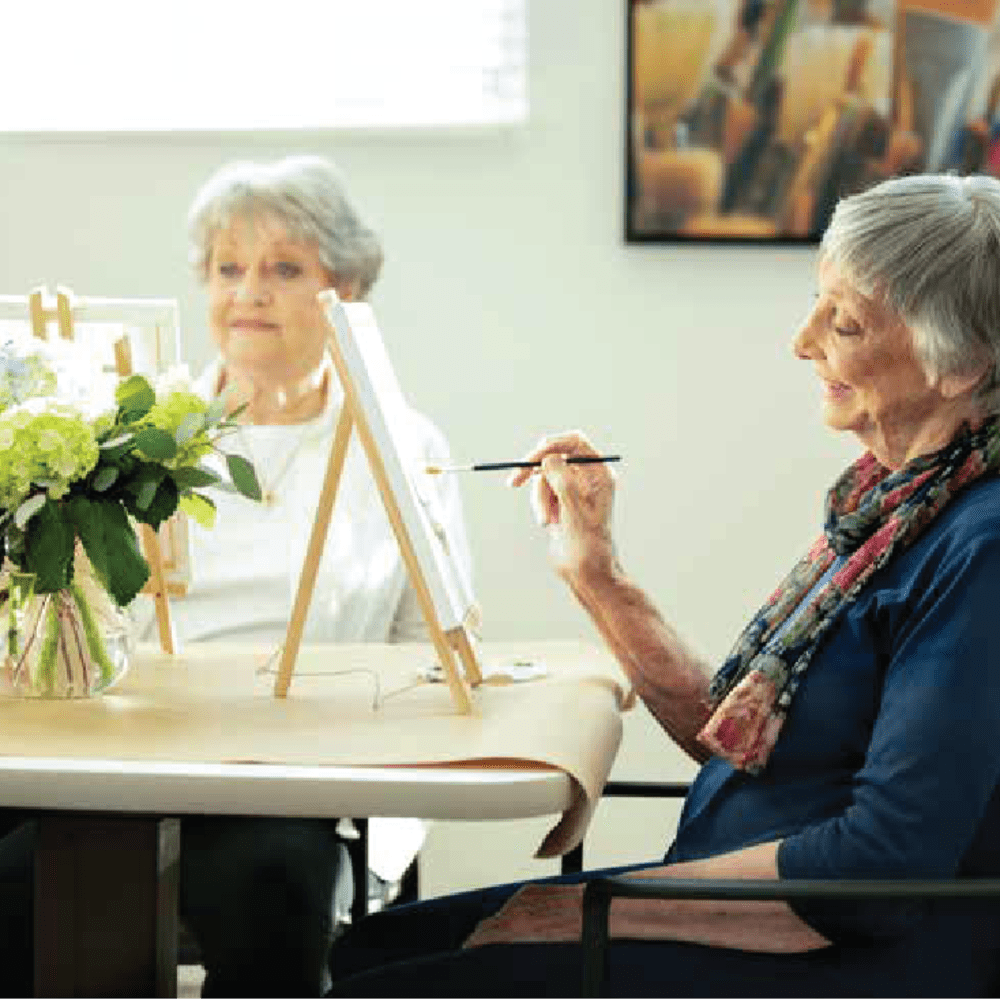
669, 677
752, 925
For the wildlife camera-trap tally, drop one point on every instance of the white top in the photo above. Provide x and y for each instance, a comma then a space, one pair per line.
245, 570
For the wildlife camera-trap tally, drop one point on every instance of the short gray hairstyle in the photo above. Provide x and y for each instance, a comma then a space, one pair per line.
928, 245
305, 193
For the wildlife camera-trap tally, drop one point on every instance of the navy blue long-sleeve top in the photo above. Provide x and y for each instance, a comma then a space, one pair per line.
889, 761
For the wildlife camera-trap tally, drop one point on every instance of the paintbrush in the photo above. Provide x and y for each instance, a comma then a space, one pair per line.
436, 470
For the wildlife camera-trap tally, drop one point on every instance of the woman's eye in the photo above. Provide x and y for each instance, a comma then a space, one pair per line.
228, 270
286, 269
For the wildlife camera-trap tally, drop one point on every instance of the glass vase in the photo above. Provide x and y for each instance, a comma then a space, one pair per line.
73, 643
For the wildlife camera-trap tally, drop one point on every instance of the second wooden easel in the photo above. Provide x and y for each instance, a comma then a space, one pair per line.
40, 312
453, 645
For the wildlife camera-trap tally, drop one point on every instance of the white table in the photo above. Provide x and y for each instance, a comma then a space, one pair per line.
108, 827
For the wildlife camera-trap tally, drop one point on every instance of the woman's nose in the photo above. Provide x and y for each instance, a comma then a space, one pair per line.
804, 342
252, 288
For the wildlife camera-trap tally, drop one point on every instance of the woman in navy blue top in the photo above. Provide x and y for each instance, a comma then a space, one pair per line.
853, 730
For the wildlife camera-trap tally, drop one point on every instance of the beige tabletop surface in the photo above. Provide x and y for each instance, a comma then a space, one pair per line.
350, 706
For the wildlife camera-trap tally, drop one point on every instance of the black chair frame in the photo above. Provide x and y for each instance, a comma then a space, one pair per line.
600, 891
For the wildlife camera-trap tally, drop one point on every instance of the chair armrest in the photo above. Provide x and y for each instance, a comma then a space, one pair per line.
646, 789
599, 892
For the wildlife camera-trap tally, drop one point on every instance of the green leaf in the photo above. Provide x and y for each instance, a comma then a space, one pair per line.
115, 450
192, 477
85, 516
135, 396
141, 473
145, 495
216, 410
200, 508
29, 508
189, 426
156, 444
160, 506
119, 563
243, 476
48, 549
105, 478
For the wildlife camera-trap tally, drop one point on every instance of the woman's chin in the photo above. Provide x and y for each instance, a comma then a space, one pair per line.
839, 418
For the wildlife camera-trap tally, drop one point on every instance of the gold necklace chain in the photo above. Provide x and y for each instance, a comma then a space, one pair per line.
269, 487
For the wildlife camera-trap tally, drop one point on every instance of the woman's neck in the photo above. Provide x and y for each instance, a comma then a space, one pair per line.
894, 450
294, 403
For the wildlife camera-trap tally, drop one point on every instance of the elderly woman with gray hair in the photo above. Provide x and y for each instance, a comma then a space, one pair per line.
852, 732
257, 893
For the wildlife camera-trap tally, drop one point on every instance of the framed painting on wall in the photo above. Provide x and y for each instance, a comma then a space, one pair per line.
748, 119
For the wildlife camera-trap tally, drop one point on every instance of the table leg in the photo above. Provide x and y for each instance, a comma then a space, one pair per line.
106, 892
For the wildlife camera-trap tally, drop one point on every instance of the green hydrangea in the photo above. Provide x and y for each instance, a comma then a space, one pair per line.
168, 414
44, 443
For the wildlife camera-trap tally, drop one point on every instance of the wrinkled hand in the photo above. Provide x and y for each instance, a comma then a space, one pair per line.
534, 913
573, 503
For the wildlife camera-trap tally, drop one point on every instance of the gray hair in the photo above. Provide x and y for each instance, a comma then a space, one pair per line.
929, 246
306, 194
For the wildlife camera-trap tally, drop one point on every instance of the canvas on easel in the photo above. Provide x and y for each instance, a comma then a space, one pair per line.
375, 409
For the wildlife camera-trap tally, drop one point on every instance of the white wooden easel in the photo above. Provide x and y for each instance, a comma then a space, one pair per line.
452, 645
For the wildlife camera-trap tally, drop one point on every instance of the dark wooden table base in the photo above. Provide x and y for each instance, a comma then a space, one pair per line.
106, 905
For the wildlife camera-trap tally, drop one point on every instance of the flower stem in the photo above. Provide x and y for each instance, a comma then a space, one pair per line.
45, 668
95, 644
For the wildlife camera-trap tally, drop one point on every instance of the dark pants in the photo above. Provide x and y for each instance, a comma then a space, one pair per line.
256, 893
416, 951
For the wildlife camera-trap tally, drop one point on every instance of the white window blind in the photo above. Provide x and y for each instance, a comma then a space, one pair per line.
193, 65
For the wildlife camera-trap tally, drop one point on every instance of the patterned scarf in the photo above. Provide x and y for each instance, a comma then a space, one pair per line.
872, 514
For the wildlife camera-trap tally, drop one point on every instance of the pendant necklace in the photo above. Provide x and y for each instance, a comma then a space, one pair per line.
316, 380
269, 494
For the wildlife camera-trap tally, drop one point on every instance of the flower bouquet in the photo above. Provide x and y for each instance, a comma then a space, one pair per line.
75, 481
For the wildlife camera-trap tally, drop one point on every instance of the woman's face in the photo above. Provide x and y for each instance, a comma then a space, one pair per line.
873, 383
263, 313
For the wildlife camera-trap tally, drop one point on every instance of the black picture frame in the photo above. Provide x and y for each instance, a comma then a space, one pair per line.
746, 120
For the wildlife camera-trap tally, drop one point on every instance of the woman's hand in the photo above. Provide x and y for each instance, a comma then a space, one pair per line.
573, 503
534, 913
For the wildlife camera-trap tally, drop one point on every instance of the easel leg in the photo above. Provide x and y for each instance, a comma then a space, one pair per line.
158, 580
456, 681
310, 568
460, 640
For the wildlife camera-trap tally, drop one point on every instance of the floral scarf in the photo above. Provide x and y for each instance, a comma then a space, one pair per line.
872, 514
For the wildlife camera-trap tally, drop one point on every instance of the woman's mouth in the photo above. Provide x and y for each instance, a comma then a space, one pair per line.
252, 324
835, 390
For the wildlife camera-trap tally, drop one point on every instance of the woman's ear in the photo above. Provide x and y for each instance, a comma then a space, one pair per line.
955, 385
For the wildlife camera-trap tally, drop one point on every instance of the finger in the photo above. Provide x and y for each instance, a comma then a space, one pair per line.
567, 443
544, 504
555, 474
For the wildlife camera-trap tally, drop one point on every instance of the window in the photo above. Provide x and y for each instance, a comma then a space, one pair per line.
195, 65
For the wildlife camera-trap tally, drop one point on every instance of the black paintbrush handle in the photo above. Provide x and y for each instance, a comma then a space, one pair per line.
572, 460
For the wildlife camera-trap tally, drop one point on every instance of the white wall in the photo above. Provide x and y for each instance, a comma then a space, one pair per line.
512, 308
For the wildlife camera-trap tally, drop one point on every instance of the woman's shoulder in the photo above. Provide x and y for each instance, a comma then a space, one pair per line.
976, 510
968, 526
